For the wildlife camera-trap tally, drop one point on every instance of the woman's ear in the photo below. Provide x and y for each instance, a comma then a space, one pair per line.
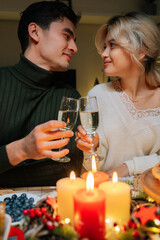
33, 30
141, 55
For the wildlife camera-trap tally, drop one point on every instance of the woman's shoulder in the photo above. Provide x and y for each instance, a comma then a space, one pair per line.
101, 88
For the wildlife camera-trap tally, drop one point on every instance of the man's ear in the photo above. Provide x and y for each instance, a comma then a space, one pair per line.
33, 30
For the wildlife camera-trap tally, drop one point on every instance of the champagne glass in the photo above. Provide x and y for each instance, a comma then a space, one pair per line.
68, 113
89, 116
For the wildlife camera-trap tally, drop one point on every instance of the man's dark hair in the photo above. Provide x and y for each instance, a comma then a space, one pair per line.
42, 13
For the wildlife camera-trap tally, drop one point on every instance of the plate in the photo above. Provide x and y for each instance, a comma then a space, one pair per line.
151, 185
35, 197
7, 225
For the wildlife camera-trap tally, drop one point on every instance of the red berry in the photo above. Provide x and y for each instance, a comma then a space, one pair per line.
25, 212
57, 218
134, 225
115, 224
123, 228
50, 225
44, 220
32, 214
136, 234
50, 217
158, 217
43, 210
38, 212
130, 224
31, 210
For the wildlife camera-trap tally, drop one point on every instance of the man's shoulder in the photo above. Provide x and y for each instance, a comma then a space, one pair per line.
3, 71
4, 68
68, 90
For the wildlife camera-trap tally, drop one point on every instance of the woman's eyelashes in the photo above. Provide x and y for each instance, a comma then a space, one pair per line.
110, 44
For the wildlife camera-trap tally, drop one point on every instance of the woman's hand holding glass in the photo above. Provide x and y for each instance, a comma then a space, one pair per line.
89, 116
85, 142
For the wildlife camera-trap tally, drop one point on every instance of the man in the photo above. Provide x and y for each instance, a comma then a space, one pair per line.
30, 99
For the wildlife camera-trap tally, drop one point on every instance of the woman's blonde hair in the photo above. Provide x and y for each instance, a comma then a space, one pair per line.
135, 32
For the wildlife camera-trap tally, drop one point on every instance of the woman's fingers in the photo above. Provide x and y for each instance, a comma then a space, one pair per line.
84, 146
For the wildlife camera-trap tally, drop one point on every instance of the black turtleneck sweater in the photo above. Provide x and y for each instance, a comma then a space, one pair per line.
29, 96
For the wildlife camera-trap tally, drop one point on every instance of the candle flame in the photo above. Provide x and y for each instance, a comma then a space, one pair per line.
67, 220
90, 182
115, 177
72, 176
117, 229
93, 160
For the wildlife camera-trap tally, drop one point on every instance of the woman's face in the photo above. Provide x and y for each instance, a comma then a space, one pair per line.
117, 62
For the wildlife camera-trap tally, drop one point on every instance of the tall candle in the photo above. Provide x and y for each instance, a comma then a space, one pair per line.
99, 176
117, 200
66, 187
89, 211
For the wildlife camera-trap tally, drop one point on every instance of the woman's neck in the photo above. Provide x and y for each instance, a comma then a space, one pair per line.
135, 87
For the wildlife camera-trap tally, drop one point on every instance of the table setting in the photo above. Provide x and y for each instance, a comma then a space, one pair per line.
76, 209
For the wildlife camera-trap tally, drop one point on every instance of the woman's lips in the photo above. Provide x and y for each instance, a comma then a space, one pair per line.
107, 62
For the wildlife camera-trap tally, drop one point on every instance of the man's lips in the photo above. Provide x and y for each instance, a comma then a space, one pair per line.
69, 56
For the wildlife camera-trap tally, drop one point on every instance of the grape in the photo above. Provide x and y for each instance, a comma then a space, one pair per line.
16, 204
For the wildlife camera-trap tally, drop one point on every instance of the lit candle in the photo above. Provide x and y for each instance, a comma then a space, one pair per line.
89, 211
117, 200
66, 187
99, 176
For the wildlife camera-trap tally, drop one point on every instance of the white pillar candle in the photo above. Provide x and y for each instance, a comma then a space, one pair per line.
117, 200
66, 187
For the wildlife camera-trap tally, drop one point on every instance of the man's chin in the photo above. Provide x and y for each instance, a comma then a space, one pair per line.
61, 68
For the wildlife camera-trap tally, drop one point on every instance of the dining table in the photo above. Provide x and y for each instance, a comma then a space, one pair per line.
41, 192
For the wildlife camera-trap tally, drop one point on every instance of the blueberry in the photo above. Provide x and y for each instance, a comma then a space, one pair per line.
13, 219
14, 196
7, 207
7, 200
31, 200
19, 218
19, 212
23, 195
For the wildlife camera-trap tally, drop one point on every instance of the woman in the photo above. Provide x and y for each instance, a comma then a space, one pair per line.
129, 108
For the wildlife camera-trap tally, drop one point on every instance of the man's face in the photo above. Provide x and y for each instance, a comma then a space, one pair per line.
56, 46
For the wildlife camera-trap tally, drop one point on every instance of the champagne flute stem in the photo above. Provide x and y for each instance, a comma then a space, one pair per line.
92, 149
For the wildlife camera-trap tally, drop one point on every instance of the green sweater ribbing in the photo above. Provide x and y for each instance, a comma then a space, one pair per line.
30, 96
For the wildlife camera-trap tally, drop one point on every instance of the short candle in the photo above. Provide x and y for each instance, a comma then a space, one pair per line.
99, 176
66, 187
117, 200
89, 211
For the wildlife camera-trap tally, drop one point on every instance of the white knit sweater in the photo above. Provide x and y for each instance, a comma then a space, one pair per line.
127, 135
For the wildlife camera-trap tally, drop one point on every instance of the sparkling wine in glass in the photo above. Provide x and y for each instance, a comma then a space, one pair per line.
68, 113
89, 116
